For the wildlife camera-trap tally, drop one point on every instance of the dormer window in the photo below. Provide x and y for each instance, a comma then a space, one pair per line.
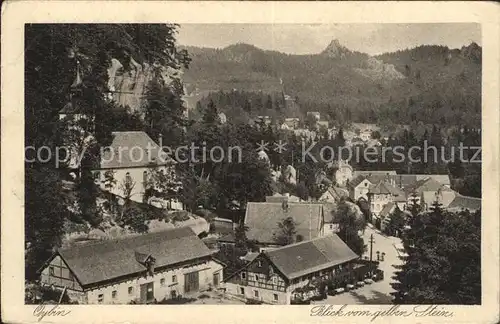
260, 264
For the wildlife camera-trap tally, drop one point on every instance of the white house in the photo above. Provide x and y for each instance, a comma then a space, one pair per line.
343, 173
130, 160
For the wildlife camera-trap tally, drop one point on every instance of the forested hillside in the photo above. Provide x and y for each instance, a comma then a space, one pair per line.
431, 84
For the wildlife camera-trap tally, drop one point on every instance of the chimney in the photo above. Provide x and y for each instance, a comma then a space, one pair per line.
150, 264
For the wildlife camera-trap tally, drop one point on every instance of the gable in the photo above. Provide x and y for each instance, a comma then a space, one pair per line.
57, 272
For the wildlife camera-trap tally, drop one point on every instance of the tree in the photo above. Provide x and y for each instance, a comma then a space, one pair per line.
286, 232
89, 47
350, 225
396, 224
127, 186
443, 262
45, 215
134, 218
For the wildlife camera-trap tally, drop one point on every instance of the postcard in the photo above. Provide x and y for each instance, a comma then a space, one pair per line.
253, 162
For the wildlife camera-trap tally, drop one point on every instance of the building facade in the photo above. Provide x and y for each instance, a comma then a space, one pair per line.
132, 160
273, 278
140, 269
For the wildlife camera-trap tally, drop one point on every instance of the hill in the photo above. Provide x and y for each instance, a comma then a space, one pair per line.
426, 83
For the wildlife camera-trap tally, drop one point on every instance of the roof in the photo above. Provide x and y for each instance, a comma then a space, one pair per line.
305, 257
106, 260
229, 237
262, 219
356, 180
465, 202
336, 192
444, 179
380, 188
387, 209
373, 172
137, 150
425, 184
250, 256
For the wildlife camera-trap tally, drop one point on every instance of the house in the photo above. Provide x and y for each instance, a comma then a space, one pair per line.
359, 187
315, 114
262, 219
223, 225
278, 198
374, 173
266, 120
144, 268
323, 124
383, 198
292, 122
383, 193
343, 173
443, 179
428, 190
461, 202
365, 135
333, 195
130, 160
273, 276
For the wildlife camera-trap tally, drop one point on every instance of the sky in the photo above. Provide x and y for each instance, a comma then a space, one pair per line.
309, 39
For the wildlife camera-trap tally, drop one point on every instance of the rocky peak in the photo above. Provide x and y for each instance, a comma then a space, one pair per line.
336, 50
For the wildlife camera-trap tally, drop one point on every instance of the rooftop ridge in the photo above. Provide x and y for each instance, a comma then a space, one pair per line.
299, 243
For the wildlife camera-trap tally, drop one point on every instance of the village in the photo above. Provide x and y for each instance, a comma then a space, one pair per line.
150, 238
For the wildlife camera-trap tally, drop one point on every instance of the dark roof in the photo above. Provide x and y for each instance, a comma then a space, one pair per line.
262, 219
380, 188
337, 192
426, 184
229, 237
306, 257
106, 260
131, 144
374, 172
387, 209
356, 181
465, 202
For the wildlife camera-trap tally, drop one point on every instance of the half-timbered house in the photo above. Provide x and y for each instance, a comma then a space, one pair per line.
274, 275
140, 269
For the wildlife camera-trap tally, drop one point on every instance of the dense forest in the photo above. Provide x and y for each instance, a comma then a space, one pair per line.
431, 84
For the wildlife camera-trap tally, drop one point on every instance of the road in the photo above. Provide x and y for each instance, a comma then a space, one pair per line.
378, 292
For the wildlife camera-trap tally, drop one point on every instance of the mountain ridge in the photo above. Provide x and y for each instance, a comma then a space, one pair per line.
414, 81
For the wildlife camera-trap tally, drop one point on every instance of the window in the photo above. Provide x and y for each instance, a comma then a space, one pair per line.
256, 277
51, 271
243, 275
242, 290
173, 294
260, 264
275, 297
113, 294
275, 280
130, 290
256, 293
100, 298
162, 281
366, 184
174, 278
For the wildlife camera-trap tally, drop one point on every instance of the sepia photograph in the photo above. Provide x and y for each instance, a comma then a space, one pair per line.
253, 163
